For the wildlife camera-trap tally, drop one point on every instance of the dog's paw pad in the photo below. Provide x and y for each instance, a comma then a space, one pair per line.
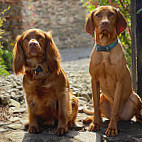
61, 131
111, 132
94, 127
33, 129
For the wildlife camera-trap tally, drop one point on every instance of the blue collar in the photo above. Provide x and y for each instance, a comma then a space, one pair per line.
106, 48
37, 70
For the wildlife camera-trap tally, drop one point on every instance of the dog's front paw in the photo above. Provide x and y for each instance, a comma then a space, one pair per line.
33, 129
94, 127
139, 118
110, 132
61, 131
87, 120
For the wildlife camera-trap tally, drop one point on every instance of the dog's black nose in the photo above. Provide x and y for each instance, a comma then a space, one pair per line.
32, 43
105, 23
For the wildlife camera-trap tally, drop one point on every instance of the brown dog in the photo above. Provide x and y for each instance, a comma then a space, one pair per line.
46, 85
109, 71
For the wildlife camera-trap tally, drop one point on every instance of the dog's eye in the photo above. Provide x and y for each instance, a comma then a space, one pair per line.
26, 38
110, 14
98, 15
39, 37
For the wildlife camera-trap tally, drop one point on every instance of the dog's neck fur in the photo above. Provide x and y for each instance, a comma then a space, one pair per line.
36, 75
34, 62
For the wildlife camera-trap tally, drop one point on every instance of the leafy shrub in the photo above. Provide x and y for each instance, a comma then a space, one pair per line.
124, 6
3, 67
5, 55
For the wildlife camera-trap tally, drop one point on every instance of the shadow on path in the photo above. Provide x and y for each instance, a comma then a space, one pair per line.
128, 131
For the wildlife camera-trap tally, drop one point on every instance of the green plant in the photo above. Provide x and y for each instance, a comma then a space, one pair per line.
3, 70
5, 55
124, 6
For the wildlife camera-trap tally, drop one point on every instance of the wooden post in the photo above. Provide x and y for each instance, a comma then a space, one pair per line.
139, 45
133, 44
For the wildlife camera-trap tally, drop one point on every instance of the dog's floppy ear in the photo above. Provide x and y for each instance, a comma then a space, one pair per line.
121, 22
52, 54
89, 26
19, 58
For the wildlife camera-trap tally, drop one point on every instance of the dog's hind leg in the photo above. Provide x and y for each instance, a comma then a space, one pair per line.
74, 103
132, 108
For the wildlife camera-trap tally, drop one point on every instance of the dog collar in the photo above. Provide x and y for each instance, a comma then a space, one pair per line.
106, 48
37, 70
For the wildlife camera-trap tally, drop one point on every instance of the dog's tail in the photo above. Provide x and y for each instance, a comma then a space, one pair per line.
88, 109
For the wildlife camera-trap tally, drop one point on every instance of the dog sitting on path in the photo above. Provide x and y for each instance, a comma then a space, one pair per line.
109, 72
46, 85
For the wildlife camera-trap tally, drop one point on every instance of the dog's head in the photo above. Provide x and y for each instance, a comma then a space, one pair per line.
34, 47
106, 20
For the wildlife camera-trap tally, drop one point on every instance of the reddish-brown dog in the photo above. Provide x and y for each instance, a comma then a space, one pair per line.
46, 85
109, 71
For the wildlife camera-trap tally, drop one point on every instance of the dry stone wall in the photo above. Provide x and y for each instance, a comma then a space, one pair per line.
65, 18
13, 23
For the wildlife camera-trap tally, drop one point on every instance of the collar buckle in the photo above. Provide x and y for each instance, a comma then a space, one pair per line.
37, 70
103, 48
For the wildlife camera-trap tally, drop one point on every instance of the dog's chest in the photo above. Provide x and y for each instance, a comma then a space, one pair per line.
106, 59
106, 69
103, 62
45, 93
40, 96
42, 103
105, 72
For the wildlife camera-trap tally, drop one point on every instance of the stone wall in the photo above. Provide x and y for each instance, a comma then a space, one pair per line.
13, 23
65, 18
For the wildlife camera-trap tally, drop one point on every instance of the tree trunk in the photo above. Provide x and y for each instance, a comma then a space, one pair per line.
133, 44
139, 46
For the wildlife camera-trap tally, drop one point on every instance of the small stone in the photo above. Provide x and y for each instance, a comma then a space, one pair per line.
80, 109
19, 110
13, 119
19, 83
3, 123
78, 127
81, 102
15, 126
13, 94
2, 92
17, 136
3, 130
9, 86
82, 98
4, 99
20, 88
15, 90
88, 137
14, 103
14, 84
85, 95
